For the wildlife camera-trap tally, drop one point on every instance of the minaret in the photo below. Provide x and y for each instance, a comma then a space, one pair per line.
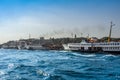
29, 41
110, 31
29, 36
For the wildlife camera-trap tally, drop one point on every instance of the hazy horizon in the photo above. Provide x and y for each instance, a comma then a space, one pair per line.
58, 18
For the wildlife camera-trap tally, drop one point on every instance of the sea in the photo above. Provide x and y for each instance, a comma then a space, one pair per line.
57, 65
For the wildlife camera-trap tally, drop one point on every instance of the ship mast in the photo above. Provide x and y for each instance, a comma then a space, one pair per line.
109, 37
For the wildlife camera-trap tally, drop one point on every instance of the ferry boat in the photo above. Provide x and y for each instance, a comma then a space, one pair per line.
110, 47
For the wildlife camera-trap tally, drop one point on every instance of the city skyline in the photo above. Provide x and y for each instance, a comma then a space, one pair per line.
58, 18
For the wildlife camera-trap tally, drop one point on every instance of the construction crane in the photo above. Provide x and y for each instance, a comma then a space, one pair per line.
109, 37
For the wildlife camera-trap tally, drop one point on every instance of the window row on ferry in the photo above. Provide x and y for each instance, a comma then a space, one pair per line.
110, 44
111, 47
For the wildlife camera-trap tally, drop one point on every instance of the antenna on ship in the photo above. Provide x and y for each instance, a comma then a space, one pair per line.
109, 37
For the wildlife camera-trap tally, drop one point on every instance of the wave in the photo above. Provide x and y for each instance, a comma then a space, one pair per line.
109, 55
62, 57
11, 65
84, 55
43, 73
75, 74
97, 59
54, 77
2, 72
63, 51
98, 69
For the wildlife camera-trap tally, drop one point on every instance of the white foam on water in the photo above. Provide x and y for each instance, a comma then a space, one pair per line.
84, 55
91, 55
109, 55
2, 72
18, 77
97, 59
43, 73
62, 57
10, 65
64, 51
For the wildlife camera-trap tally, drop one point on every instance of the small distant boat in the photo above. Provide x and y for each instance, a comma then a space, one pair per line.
22, 45
35, 47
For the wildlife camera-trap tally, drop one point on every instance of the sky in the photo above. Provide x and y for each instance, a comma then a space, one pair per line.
58, 18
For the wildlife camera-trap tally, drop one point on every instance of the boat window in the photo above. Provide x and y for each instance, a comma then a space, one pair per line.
115, 43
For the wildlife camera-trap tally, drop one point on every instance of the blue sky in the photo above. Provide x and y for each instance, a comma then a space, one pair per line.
58, 18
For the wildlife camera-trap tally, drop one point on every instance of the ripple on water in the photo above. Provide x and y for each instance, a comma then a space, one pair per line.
109, 55
54, 77
74, 74
57, 65
83, 55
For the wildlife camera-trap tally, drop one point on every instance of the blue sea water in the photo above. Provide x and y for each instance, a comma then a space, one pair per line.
57, 65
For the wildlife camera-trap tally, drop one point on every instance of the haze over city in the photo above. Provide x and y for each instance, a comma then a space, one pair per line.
58, 18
